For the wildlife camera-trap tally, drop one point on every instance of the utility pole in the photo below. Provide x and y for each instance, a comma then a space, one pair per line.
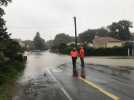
128, 51
75, 32
132, 48
132, 52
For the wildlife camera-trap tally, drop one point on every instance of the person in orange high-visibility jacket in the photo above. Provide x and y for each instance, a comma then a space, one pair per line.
82, 54
74, 54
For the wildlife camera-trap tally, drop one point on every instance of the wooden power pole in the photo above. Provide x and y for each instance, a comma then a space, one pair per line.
75, 32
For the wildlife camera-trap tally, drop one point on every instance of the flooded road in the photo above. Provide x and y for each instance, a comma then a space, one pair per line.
36, 83
37, 63
39, 83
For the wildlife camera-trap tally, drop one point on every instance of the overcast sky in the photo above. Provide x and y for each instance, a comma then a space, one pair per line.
50, 17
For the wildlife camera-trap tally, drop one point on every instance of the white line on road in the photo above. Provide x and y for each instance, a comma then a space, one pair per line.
60, 86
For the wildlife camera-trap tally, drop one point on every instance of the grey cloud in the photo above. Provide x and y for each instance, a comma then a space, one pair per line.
25, 17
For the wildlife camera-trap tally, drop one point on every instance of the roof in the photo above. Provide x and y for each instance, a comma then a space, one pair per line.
107, 39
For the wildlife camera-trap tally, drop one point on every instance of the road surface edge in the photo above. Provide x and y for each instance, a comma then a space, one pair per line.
60, 86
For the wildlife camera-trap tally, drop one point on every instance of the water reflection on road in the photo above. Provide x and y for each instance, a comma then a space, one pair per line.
38, 83
37, 62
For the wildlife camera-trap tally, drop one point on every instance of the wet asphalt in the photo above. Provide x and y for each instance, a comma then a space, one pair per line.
41, 88
76, 88
118, 82
57, 83
45, 87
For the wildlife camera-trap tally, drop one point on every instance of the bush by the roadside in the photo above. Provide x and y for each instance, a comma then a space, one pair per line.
62, 49
12, 64
89, 51
116, 51
10, 72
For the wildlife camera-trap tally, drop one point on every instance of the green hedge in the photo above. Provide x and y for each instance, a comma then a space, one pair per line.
115, 51
9, 73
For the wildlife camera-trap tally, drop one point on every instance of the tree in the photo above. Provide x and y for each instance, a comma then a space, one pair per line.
121, 29
87, 36
49, 44
28, 45
3, 30
62, 39
102, 32
4, 36
11, 53
39, 43
4, 2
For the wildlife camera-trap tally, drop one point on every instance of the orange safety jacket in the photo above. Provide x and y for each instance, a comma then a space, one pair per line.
81, 53
74, 54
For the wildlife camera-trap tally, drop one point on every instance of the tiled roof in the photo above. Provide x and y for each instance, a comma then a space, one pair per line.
107, 39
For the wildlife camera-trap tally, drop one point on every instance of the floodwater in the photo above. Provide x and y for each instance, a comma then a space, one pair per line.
38, 62
39, 85
36, 83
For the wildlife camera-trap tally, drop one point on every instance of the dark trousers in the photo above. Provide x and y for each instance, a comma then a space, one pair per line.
74, 65
82, 68
82, 62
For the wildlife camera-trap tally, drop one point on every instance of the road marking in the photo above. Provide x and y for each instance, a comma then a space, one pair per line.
56, 70
100, 89
61, 87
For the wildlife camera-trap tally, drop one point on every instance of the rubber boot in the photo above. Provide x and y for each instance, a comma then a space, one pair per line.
83, 73
75, 74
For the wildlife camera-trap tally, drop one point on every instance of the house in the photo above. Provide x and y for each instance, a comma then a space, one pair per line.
106, 42
72, 43
130, 45
90, 44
